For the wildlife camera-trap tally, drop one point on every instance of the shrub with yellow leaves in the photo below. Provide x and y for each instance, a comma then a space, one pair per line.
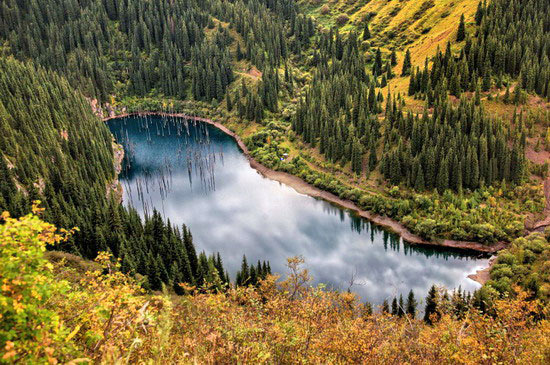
29, 330
112, 319
104, 316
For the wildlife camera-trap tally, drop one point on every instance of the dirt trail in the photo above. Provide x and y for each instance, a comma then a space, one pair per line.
303, 187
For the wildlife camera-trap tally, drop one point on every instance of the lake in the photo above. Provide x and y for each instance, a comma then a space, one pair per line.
193, 173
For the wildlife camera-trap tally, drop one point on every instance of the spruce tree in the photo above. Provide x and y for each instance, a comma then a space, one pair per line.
394, 307
431, 305
401, 306
411, 304
393, 58
461, 32
366, 32
406, 64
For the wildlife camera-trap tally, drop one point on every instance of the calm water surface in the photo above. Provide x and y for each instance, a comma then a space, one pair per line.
195, 174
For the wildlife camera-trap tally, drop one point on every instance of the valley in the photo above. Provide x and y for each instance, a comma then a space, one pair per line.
274, 181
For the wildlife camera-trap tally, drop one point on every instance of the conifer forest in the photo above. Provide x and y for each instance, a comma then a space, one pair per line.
275, 181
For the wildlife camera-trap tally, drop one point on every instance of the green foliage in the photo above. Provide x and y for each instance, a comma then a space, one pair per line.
525, 263
339, 110
50, 131
137, 47
252, 274
461, 32
449, 148
430, 311
30, 331
487, 215
406, 64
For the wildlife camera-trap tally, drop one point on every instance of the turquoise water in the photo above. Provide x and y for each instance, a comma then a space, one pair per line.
195, 174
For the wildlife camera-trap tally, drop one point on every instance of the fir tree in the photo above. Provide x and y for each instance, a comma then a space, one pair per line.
461, 32
411, 305
431, 305
406, 64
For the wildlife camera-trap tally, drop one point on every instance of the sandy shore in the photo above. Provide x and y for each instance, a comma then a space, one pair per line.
303, 187
482, 276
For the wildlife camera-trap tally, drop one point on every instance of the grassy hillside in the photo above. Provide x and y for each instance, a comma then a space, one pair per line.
420, 26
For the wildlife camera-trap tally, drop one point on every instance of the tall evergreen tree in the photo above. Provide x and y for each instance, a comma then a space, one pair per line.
461, 32
411, 305
406, 64
431, 305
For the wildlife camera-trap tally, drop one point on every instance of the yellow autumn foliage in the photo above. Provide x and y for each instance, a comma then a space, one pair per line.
104, 316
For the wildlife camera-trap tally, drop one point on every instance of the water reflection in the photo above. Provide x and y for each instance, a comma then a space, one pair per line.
195, 174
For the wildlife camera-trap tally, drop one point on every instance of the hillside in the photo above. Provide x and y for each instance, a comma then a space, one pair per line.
431, 115
336, 101
82, 312
420, 26
54, 149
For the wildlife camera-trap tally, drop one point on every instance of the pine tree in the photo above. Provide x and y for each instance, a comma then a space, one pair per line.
406, 64
228, 102
431, 305
244, 273
411, 305
393, 58
385, 307
366, 32
401, 306
377, 68
419, 183
461, 33
479, 13
372, 157
394, 307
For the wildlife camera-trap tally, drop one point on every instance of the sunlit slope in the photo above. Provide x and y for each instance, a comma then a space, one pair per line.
420, 25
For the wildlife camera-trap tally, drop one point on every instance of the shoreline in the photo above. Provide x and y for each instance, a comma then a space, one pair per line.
483, 275
303, 187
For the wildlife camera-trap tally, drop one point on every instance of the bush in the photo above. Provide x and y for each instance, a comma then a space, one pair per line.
29, 331
342, 19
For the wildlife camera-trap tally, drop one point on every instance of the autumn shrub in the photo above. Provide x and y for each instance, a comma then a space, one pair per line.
111, 318
60, 314
292, 322
53, 313
29, 330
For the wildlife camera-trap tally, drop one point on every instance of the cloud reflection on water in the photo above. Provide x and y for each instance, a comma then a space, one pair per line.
266, 220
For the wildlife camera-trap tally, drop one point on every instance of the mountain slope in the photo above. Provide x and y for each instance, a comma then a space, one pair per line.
420, 26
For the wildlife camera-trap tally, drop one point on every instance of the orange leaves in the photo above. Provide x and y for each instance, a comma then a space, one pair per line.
106, 317
10, 352
328, 327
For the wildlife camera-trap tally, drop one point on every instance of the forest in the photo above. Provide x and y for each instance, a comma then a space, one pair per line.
442, 156
512, 42
48, 131
321, 86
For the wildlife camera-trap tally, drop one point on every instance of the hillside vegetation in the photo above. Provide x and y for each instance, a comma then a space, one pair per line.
61, 313
352, 97
54, 149
321, 95
420, 26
